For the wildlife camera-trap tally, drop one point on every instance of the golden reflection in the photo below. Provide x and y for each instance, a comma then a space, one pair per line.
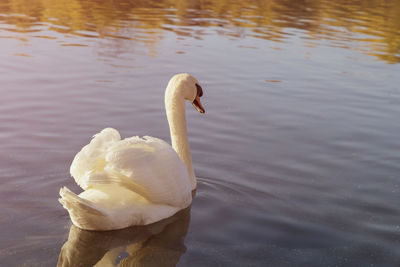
158, 244
372, 25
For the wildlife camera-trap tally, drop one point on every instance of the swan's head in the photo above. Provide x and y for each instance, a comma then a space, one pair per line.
186, 86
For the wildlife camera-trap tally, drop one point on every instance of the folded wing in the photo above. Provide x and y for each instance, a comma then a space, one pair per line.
148, 166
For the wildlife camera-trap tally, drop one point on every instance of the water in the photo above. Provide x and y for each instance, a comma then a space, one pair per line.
297, 155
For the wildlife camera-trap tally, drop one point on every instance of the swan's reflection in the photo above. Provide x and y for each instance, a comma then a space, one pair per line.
158, 244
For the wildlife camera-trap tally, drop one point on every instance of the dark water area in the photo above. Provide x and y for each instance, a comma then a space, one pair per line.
297, 156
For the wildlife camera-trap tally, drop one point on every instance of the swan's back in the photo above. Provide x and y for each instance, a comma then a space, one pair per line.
148, 166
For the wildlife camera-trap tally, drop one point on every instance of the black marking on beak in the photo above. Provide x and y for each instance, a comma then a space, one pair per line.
196, 102
199, 90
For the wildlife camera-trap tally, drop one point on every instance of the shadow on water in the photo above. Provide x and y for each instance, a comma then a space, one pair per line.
158, 244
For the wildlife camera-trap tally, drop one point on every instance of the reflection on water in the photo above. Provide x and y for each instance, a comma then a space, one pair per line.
158, 244
372, 26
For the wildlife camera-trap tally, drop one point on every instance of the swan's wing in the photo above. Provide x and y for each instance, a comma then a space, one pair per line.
148, 166
91, 158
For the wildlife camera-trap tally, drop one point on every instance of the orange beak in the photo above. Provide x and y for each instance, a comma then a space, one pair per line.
197, 104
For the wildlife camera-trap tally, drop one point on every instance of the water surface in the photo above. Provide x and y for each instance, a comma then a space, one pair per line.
297, 155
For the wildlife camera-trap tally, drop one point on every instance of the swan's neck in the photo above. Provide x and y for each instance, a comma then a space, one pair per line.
176, 114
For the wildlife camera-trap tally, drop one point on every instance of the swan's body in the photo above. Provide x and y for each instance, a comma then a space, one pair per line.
135, 181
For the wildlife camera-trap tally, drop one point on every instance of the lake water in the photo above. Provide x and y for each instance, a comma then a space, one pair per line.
298, 154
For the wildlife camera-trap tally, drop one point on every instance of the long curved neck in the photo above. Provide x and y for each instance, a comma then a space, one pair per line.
176, 115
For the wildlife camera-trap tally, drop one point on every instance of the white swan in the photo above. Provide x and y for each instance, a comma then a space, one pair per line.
136, 181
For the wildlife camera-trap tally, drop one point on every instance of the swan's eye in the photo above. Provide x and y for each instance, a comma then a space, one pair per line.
199, 90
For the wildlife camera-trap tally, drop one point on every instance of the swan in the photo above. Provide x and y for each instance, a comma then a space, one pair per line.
137, 180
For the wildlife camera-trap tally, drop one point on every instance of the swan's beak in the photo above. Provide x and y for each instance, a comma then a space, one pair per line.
196, 102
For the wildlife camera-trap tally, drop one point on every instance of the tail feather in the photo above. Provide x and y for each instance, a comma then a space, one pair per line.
82, 212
